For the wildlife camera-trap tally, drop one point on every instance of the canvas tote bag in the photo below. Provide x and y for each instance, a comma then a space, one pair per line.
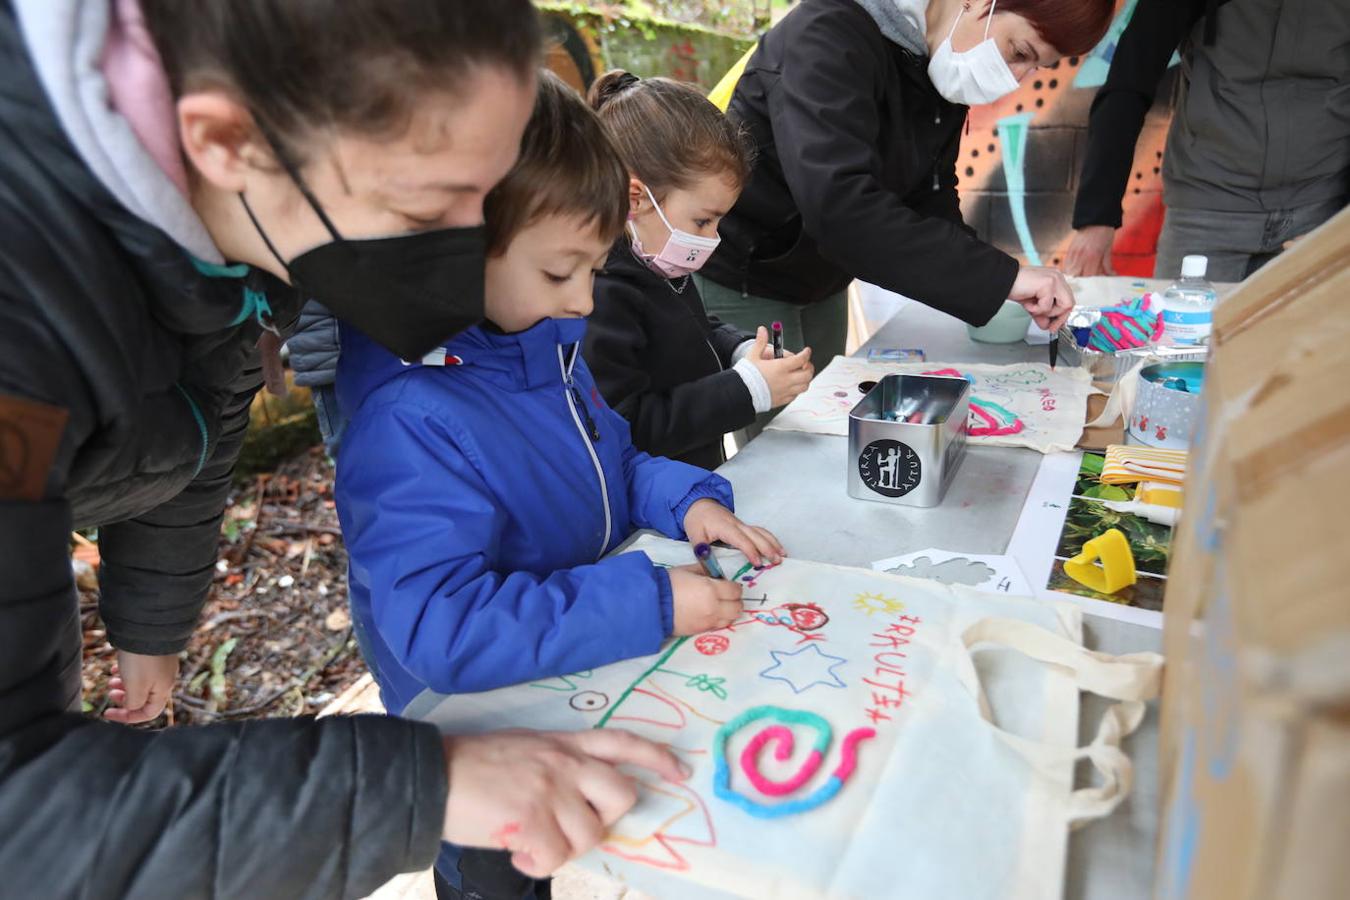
856, 734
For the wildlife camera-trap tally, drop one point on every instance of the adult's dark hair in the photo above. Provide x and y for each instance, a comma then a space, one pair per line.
1072, 27
357, 66
567, 166
668, 133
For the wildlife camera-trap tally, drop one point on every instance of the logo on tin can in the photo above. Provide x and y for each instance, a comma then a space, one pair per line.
890, 468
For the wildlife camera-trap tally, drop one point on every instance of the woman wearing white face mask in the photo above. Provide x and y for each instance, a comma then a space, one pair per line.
856, 107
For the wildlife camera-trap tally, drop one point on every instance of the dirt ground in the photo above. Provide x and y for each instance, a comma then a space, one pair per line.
275, 637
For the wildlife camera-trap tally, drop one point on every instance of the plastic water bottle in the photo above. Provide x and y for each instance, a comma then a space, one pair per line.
1188, 305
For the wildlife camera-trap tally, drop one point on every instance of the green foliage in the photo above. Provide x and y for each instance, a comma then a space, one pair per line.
1106, 492
267, 445
1149, 543
737, 17
219, 685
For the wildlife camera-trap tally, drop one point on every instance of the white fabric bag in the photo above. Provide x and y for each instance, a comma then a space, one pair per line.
963, 789
1017, 405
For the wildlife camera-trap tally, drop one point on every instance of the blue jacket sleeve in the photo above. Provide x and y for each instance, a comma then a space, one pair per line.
660, 490
422, 528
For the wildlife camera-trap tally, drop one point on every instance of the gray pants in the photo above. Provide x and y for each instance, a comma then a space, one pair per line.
1237, 243
822, 326
331, 420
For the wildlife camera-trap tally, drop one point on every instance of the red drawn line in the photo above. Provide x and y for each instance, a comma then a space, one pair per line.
678, 712
674, 861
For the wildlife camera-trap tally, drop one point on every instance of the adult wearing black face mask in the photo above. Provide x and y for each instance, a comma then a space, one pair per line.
138, 287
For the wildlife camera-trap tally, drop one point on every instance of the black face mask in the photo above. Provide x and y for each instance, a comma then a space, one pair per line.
409, 293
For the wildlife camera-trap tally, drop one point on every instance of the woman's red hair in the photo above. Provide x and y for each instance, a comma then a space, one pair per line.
1073, 27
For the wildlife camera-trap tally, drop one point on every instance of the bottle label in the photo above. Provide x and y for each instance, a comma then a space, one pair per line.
1182, 327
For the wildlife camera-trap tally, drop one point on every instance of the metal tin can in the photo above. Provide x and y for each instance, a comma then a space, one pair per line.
1167, 405
906, 439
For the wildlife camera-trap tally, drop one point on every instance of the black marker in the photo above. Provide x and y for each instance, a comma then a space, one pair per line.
1054, 350
777, 340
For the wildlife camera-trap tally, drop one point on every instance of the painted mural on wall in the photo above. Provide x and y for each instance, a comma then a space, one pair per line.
1020, 160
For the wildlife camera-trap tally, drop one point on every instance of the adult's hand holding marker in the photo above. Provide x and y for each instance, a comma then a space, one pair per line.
546, 797
1045, 293
788, 375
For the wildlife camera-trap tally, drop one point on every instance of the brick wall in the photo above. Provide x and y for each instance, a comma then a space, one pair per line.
1021, 160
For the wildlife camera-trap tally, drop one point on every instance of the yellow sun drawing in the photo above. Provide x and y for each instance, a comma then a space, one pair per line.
874, 603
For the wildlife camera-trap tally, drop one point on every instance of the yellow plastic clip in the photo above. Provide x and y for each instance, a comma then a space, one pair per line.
1116, 571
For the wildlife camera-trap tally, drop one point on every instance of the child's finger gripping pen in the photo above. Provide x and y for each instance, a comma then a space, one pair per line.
777, 340
708, 561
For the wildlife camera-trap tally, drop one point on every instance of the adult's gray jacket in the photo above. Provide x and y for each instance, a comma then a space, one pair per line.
1262, 121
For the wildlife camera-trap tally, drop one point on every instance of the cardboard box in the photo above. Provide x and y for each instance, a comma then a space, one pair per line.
1256, 711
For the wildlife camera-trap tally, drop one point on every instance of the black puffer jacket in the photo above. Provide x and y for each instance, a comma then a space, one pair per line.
138, 368
663, 363
856, 173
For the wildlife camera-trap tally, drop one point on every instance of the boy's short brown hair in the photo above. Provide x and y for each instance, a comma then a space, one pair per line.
567, 167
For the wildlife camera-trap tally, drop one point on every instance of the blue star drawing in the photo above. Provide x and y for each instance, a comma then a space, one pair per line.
802, 669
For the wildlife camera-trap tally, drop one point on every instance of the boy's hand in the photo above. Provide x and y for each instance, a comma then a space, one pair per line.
786, 377
703, 603
544, 796
708, 521
140, 687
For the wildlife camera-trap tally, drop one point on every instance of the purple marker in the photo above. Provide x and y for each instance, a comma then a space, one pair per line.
709, 562
777, 340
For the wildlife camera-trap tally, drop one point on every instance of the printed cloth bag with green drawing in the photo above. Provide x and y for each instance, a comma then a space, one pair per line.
855, 734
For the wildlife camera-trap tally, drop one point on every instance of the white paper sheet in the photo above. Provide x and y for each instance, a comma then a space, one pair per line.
983, 572
1018, 405
1037, 535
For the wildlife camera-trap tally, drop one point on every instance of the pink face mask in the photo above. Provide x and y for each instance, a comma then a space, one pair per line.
683, 254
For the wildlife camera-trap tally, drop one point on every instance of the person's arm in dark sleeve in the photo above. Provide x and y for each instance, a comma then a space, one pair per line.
1155, 31
664, 422
824, 117
157, 568
288, 808
727, 339
945, 202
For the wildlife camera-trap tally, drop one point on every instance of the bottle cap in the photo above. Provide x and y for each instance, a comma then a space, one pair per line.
1194, 266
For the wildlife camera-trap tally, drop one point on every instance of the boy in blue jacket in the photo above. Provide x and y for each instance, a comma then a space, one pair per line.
481, 488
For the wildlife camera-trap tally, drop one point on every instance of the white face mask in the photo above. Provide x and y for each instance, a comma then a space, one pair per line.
978, 75
683, 253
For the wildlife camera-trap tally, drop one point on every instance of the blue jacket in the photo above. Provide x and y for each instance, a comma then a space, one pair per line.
478, 500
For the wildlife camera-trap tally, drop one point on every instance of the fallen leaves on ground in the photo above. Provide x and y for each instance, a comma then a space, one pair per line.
275, 636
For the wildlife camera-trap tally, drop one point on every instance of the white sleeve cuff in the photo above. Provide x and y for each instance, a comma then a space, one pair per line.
742, 351
760, 394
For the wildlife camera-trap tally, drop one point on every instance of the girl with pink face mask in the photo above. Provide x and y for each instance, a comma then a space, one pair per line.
680, 377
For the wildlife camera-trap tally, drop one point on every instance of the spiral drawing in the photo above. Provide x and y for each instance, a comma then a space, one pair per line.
781, 737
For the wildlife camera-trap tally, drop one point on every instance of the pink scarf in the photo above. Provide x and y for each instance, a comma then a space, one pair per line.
138, 88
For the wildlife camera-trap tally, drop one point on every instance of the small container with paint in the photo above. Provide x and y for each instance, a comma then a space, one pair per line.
1167, 405
907, 438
